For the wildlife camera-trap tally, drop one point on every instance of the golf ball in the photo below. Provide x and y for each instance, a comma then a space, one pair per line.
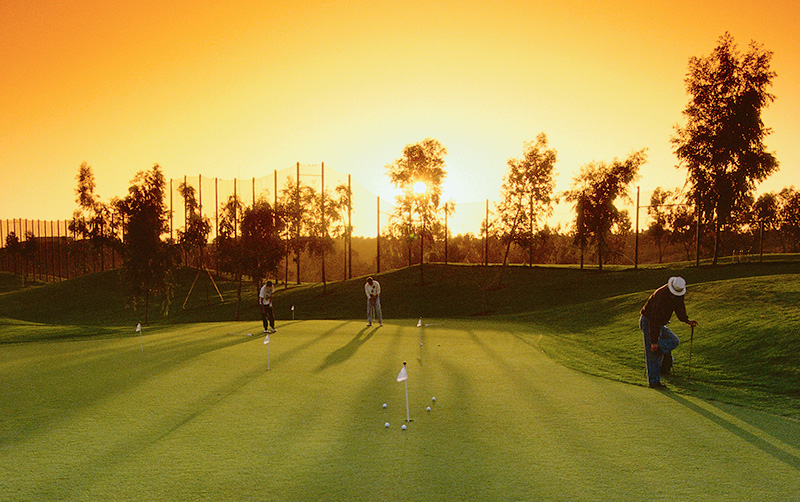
404, 427
428, 408
384, 405
386, 425
433, 399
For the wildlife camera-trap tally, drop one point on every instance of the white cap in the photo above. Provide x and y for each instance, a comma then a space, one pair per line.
677, 286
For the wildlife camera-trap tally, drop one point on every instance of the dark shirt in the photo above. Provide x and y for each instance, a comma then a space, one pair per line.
659, 308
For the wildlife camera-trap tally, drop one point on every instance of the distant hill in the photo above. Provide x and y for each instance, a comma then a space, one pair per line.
452, 291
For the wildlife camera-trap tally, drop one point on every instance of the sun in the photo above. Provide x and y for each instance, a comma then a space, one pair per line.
420, 187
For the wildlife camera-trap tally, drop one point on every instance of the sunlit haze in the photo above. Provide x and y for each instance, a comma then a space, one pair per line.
242, 88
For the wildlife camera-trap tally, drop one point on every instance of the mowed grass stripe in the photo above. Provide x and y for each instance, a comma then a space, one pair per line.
196, 415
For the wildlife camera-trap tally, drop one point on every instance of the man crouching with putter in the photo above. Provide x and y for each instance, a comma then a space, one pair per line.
659, 340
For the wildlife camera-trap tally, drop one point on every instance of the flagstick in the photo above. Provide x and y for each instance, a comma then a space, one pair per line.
266, 342
408, 413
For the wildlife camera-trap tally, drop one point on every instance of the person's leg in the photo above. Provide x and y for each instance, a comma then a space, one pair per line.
271, 317
264, 317
378, 310
653, 361
369, 312
667, 340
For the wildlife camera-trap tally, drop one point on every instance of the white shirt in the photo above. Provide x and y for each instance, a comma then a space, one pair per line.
373, 290
265, 296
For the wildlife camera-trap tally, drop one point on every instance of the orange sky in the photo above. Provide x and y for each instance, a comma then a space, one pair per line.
241, 88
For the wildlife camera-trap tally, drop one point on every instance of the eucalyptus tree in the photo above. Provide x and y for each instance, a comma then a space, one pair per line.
722, 143
594, 192
418, 174
526, 196
148, 260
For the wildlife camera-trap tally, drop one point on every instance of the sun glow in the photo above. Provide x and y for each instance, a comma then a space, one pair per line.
420, 187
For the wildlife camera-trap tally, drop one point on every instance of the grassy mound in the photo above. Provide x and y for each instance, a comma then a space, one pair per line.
744, 350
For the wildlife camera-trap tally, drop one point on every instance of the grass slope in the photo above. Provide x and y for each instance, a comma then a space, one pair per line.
743, 352
191, 412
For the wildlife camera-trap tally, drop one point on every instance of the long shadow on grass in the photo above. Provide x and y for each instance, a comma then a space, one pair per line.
344, 353
788, 458
289, 354
72, 374
161, 429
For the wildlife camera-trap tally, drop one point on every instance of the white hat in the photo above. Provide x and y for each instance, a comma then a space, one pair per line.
677, 286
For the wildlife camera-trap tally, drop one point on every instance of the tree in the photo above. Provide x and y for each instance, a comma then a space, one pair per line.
194, 236
262, 248
526, 195
789, 215
722, 144
658, 211
681, 221
324, 216
594, 191
25, 250
229, 245
294, 201
344, 203
93, 221
148, 261
419, 175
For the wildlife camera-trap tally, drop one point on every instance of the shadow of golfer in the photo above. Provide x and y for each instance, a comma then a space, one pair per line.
786, 457
344, 353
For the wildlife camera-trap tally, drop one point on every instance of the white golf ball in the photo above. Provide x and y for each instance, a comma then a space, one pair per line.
428, 408
384, 405
433, 399
404, 427
386, 425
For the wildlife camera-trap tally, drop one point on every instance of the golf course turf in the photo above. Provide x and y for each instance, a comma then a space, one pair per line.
190, 411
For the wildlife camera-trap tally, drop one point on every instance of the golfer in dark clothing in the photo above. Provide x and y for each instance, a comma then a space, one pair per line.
659, 340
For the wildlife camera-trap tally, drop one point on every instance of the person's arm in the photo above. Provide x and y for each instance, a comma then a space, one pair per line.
680, 312
377, 289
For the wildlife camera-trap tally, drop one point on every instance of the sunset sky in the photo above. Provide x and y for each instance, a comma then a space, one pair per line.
241, 88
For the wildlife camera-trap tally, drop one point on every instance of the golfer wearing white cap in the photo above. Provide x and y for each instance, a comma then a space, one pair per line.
659, 340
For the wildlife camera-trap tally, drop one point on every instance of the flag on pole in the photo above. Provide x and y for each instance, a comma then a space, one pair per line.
403, 375
266, 340
139, 327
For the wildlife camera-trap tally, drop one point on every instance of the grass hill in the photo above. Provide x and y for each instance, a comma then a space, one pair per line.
744, 350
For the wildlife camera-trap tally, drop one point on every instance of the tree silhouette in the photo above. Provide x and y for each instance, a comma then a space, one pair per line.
421, 162
148, 260
526, 195
594, 191
722, 144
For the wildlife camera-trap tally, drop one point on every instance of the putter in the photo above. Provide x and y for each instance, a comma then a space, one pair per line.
691, 342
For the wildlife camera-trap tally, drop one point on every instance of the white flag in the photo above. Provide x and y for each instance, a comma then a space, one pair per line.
266, 340
139, 327
419, 323
403, 374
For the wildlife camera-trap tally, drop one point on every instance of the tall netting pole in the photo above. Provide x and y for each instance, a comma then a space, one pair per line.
636, 246
349, 228
378, 240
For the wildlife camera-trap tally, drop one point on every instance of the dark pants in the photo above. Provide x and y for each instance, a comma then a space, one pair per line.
267, 317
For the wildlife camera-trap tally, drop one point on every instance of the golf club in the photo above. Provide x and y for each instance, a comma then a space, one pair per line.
691, 342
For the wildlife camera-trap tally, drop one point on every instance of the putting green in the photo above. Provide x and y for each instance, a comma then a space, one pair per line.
191, 412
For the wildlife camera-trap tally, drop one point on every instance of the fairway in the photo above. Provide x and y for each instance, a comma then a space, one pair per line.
191, 412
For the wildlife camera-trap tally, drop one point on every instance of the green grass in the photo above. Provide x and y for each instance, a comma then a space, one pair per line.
188, 410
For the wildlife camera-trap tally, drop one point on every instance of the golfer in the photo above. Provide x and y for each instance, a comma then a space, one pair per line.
659, 340
265, 301
373, 290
